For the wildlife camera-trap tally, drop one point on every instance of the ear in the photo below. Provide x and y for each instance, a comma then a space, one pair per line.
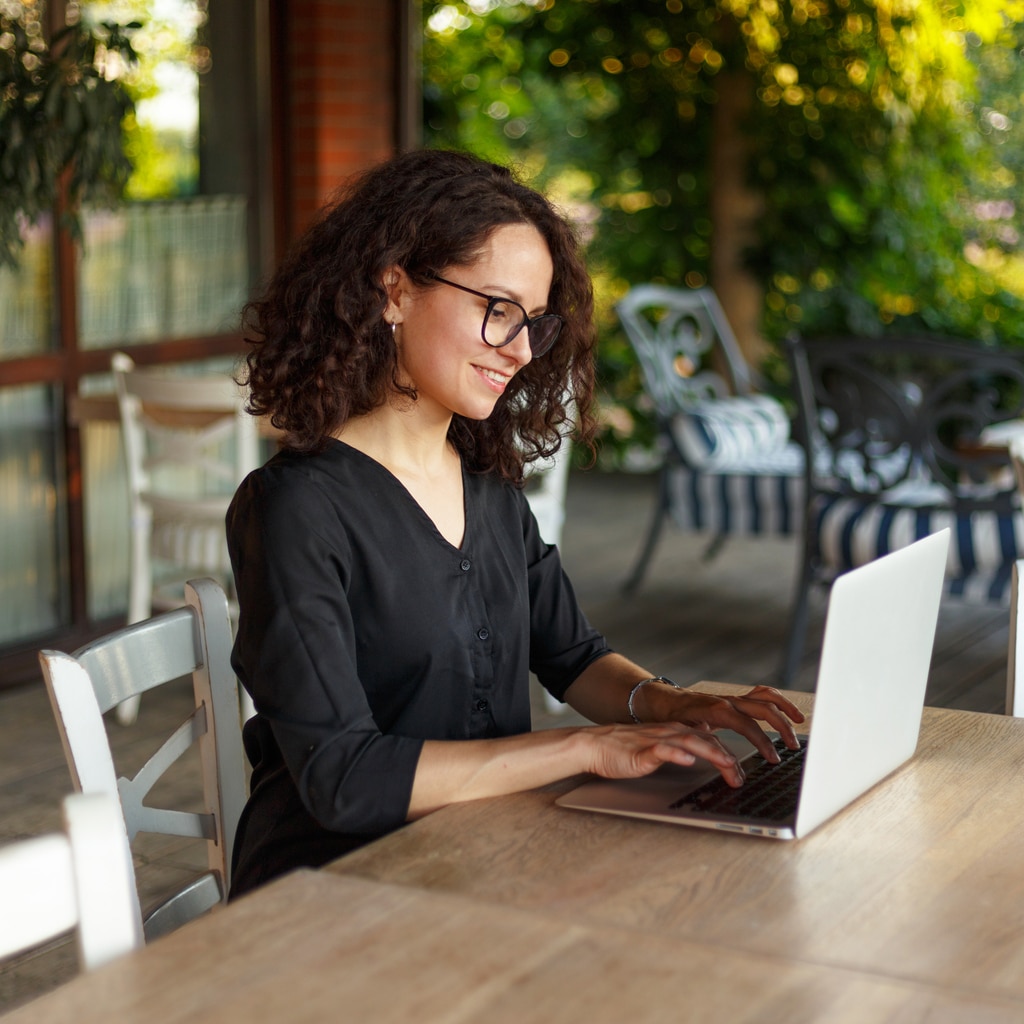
397, 285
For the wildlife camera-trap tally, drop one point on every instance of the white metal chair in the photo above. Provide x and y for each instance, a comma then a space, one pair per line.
194, 640
729, 465
81, 878
188, 442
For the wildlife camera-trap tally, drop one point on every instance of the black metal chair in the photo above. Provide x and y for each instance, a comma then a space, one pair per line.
894, 433
728, 463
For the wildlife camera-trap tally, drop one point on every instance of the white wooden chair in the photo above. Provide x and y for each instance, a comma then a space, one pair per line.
188, 442
546, 484
81, 879
194, 640
1015, 653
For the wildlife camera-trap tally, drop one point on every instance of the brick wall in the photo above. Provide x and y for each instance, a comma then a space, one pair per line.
339, 103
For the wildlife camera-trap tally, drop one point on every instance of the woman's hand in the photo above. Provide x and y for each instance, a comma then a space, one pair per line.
741, 714
451, 771
631, 751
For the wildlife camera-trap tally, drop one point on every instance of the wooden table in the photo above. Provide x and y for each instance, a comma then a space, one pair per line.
921, 881
317, 946
906, 907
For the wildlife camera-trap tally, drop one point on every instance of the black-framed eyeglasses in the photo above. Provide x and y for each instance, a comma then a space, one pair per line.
505, 318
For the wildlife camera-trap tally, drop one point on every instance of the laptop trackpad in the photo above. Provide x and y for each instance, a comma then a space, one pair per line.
653, 793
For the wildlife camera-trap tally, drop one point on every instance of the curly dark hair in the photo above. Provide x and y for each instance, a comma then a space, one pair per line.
321, 352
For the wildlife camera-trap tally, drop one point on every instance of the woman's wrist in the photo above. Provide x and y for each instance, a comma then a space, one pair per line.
636, 697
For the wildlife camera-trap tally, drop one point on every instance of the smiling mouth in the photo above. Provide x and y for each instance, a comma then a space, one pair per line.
495, 376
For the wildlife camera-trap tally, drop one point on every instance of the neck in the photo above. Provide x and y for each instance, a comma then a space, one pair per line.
403, 440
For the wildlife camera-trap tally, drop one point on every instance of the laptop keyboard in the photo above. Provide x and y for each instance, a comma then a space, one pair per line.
769, 792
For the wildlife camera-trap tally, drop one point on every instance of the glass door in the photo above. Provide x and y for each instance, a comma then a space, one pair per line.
163, 276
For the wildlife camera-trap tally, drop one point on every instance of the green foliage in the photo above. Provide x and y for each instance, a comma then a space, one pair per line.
873, 213
164, 156
61, 109
165, 164
884, 139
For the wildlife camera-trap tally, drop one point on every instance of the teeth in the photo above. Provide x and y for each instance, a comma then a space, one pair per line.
501, 378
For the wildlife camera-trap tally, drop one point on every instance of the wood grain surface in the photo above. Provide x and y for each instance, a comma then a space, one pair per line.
317, 946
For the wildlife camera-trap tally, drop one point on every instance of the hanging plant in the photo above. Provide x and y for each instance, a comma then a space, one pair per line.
62, 104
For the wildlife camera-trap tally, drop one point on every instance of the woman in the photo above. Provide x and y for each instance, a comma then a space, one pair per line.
422, 340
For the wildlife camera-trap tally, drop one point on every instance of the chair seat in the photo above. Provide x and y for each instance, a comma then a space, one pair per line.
984, 544
753, 498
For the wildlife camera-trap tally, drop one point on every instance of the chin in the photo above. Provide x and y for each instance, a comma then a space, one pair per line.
476, 411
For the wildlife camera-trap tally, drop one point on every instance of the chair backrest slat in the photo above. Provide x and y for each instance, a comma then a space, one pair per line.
142, 656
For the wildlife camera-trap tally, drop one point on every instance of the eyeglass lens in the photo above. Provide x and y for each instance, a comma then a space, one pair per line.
506, 318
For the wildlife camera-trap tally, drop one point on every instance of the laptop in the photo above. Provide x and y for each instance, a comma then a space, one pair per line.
875, 657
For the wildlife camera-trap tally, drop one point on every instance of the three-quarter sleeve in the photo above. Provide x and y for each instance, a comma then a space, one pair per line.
296, 651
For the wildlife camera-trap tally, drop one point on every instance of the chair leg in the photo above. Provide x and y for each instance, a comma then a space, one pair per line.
140, 588
127, 711
797, 622
715, 545
651, 540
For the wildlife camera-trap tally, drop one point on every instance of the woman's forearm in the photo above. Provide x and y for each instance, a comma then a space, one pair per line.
455, 771
601, 692
677, 728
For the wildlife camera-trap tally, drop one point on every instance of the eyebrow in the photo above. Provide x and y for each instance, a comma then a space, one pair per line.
507, 293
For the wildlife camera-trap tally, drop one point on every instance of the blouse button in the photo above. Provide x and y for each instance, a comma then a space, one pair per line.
482, 634
482, 705
465, 564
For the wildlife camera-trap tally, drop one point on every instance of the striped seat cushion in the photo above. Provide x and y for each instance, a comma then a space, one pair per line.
742, 473
752, 502
721, 434
984, 544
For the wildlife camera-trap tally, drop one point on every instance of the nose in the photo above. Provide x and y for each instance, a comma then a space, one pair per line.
519, 347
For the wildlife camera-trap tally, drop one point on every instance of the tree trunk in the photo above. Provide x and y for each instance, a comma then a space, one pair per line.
735, 208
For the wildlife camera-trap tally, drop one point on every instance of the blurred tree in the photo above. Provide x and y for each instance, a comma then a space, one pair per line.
880, 150
61, 108
161, 131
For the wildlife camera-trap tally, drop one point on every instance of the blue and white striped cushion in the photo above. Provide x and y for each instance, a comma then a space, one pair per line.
852, 532
737, 503
728, 434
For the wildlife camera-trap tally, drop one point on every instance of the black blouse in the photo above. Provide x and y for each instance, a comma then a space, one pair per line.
363, 632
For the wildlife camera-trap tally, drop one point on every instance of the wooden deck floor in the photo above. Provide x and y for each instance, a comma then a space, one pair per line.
726, 619
690, 620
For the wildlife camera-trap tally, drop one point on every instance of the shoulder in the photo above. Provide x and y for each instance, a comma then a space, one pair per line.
494, 487
293, 484
495, 492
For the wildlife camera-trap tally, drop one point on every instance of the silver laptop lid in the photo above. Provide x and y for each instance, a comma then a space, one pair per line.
875, 657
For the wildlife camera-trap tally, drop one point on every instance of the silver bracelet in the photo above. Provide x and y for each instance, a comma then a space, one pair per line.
649, 679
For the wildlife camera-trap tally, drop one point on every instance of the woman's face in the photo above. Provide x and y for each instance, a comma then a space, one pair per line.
440, 348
